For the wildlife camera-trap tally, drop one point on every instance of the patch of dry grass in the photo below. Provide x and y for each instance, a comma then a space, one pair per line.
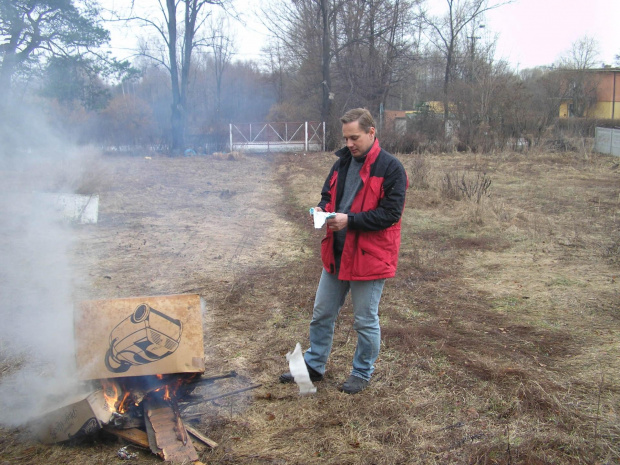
474, 367
499, 334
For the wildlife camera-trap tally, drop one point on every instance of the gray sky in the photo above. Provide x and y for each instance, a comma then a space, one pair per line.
537, 32
529, 32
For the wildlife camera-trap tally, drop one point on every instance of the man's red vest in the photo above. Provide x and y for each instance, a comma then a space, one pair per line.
373, 235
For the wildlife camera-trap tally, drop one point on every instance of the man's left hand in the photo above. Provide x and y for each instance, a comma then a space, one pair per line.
338, 222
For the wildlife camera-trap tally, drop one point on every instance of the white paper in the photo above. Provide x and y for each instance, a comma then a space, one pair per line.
320, 217
299, 370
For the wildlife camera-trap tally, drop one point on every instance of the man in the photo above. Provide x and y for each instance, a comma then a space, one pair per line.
366, 188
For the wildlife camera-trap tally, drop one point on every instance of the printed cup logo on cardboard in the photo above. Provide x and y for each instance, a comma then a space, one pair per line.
144, 337
139, 336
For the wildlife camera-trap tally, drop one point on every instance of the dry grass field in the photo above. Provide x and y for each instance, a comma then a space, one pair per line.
500, 332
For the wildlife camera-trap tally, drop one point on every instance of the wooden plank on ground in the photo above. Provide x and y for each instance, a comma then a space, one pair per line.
167, 435
198, 435
133, 435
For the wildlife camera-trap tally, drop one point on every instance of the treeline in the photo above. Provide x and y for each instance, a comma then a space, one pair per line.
135, 114
186, 85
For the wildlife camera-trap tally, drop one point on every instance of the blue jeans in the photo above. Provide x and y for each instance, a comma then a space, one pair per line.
329, 299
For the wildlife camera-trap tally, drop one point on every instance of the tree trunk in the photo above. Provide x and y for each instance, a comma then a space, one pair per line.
326, 101
6, 72
177, 110
446, 87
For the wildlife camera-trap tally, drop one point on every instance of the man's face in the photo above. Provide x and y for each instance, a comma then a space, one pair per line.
358, 141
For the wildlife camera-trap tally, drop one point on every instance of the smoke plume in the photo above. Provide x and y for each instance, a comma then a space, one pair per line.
36, 279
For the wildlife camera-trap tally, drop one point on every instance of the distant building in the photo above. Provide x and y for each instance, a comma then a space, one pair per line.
395, 121
603, 85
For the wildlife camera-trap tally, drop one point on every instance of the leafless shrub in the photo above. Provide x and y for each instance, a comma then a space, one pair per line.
457, 186
418, 172
92, 176
502, 212
561, 144
449, 187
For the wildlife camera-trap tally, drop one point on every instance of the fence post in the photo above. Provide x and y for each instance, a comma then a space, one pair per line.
306, 137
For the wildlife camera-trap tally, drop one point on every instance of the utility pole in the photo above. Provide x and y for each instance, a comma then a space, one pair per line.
472, 57
474, 117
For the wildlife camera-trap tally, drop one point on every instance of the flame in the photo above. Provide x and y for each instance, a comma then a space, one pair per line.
119, 394
122, 406
115, 398
110, 394
167, 391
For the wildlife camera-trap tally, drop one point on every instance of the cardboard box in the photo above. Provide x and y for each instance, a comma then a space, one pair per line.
139, 336
74, 420
82, 209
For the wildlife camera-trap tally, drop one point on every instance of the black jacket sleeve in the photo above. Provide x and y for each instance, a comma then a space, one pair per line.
325, 192
391, 207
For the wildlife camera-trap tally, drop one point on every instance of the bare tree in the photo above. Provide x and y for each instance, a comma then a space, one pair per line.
304, 28
178, 28
349, 52
579, 84
448, 30
583, 54
221, 43
374, 44
127, 120
543, 96
277, 69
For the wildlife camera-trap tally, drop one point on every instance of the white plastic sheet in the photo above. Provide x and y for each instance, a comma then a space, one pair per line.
299, 370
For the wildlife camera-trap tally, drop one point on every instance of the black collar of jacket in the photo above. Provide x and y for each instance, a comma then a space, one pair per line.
345, 154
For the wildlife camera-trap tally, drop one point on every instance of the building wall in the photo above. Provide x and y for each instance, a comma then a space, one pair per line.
603, 110
608, 104
605, 87
389, 118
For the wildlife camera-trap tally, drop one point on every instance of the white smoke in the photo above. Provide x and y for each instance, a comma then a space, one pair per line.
36, 278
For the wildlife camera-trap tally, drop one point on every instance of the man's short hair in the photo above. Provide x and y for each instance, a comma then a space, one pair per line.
362, 116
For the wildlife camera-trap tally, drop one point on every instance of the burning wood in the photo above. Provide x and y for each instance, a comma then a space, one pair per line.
124, 394
133, 339
143, 410
151, 402
167, 435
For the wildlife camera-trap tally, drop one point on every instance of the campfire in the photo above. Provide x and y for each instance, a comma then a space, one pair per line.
124, 396
147, 411
144, 358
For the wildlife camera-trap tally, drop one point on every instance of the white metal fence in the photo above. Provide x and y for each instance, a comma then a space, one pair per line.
308, 136
607, 141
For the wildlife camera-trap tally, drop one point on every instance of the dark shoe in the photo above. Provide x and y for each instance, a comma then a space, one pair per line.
314, 376
353, 385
